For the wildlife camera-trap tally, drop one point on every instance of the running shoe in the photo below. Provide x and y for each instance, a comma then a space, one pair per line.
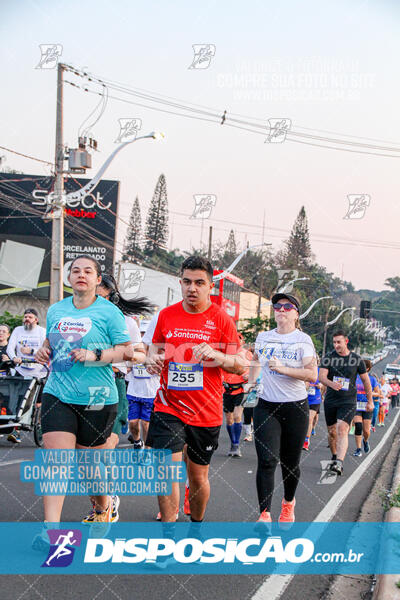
237, 453
115, 506
186, 503
101, 523
352, 429
114, 516
335, 467
14, 437
265, 517
158, 517
286, 518
90, 516
373, 429
138, 445
357, 452
41, 542
248, 438
312, 431
306, 445
230, 453
366, 446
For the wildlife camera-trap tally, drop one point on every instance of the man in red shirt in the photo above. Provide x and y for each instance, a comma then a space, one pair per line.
193, 341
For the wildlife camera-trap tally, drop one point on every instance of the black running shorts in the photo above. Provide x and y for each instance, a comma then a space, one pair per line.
232, 400
339, 412
168, 432
315, 407
91, 427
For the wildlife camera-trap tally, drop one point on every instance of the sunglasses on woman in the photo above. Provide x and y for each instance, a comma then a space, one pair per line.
286, 306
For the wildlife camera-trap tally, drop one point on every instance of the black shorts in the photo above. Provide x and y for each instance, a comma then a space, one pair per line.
315, 407
91, 427
168, 432
232, 400
343, 412
365, 414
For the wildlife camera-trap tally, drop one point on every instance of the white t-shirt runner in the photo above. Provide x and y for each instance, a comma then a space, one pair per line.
140, 383
27, 338
292, 350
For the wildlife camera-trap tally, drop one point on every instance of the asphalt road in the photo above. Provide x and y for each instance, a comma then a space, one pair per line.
233, 498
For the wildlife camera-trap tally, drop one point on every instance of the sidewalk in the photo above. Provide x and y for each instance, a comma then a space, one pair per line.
386, 588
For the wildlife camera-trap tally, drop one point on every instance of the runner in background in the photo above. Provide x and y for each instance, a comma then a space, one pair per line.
338, 372
394, 384
233, 409
108, 289
24, 342
363, 417
314, 402
384, 401
142, 389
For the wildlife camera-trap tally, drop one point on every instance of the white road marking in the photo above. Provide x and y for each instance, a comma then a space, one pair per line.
13, 462
275, 585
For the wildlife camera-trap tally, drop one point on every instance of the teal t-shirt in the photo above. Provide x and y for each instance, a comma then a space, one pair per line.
101, 325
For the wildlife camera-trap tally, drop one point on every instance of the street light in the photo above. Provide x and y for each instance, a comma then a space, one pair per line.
331, 323
290, 282
312, 306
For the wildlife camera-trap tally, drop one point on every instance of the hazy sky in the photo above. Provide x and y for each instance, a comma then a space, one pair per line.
325, 65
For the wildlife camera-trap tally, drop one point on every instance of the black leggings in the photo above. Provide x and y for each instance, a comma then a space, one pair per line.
279, 432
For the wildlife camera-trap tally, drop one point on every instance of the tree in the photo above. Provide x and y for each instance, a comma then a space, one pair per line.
157, 218
297, 252
231, 243
134, 232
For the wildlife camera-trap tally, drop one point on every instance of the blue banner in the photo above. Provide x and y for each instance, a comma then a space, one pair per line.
201, 548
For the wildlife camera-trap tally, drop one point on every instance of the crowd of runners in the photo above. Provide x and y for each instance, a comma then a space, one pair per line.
165, 380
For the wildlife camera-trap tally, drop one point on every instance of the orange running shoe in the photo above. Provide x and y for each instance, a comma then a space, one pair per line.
306, 445
186, 503
286, 518
265, 517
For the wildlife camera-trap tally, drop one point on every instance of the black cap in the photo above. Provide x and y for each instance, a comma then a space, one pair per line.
31, 311
292, 299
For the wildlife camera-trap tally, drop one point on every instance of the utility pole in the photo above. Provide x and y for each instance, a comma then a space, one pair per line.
260, 292
209, 243
57, 235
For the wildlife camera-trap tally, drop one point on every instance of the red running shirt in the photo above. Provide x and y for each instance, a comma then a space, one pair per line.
189, 390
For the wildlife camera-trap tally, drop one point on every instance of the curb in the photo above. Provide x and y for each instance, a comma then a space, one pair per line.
386, 588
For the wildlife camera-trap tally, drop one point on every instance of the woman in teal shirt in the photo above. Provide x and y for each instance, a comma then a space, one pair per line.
85, 334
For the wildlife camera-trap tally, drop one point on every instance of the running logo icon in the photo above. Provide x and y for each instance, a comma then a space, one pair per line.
203, 205
203, 53
63, 543
278, 129
49, 56
358, 204
128, 129
132, 280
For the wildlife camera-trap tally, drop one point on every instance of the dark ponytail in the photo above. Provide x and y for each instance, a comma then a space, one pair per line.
136, 306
